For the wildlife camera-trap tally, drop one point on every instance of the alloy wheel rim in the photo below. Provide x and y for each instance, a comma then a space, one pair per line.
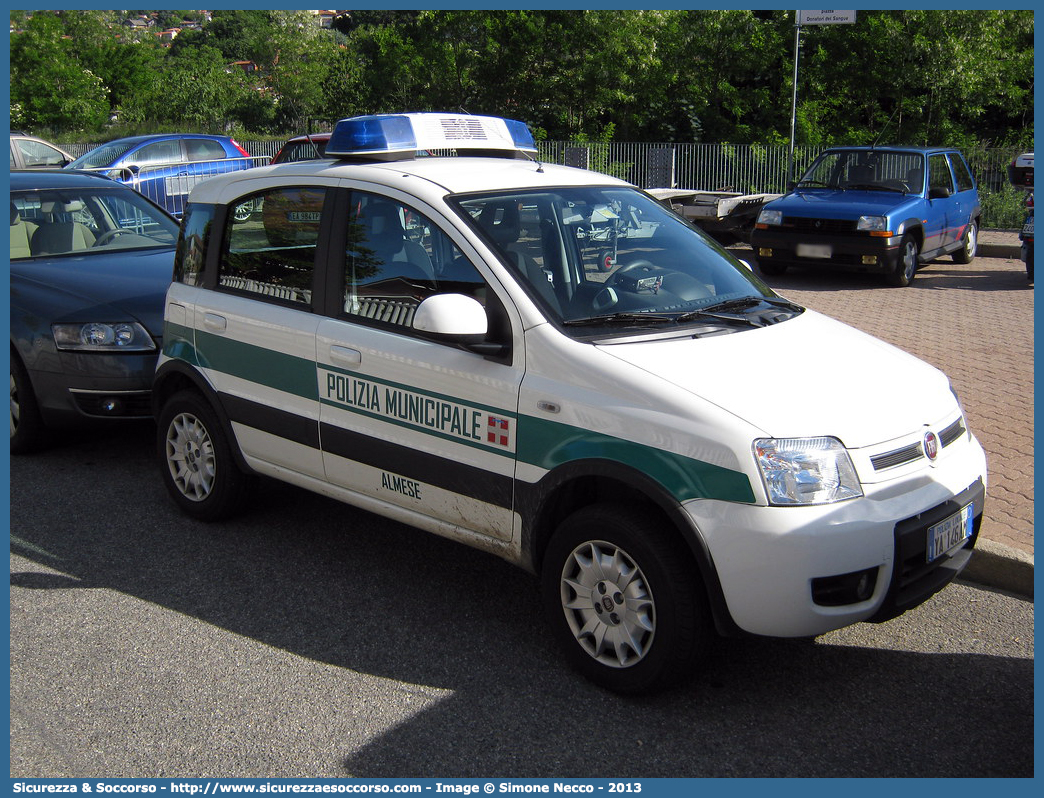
190, 457
608, 604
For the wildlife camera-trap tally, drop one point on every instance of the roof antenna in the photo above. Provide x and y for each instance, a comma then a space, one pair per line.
540, 166
886, 124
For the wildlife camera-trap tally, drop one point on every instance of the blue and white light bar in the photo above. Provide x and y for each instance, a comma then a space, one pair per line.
392, 137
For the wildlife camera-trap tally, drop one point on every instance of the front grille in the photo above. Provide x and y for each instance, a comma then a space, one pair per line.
952, 432
915, 451
806, 225
897, 457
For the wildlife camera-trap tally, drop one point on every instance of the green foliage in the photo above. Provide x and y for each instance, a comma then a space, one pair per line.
903, 76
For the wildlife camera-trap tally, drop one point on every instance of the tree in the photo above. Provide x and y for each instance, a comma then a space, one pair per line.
49, 87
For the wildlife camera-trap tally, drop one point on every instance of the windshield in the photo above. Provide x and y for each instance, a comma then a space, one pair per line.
101, 156
86, 221
607, 258
867, 170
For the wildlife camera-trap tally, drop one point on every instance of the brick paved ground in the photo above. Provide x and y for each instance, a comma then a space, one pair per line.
974, 322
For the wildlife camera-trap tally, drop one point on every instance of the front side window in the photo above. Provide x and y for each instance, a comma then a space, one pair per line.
613, 259
270, 244
939, 176
86, 222
395, 257
158, 152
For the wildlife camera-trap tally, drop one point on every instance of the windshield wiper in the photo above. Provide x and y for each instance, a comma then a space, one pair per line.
622, 317
716, 311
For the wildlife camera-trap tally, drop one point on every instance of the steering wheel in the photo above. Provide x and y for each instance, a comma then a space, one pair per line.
108, 235
629, 270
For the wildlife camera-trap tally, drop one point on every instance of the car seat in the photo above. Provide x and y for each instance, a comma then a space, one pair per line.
61, 234
21, 235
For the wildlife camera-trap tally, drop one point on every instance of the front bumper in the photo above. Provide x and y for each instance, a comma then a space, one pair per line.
769, 559
853, 251
78, 390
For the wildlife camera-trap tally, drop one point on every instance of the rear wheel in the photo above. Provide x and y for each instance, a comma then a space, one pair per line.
197, 463
969, 244
624, 600
906, 264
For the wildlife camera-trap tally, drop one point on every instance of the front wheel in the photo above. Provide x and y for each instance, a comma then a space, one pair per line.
969, 244
27, 428
624, 600
197, 463
906, 264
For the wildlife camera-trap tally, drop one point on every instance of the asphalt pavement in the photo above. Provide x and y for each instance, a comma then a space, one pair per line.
975, 322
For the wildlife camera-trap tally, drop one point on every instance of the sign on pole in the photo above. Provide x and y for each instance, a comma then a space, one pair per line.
826, 17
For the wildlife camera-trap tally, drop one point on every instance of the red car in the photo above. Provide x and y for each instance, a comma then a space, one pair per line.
303, 148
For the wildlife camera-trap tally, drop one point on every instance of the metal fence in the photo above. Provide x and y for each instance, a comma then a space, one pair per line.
746, 168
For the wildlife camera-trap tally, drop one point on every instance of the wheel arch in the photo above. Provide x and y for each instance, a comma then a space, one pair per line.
176, 375
585, 483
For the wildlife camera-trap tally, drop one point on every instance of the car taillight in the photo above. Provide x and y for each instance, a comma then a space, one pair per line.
242, 152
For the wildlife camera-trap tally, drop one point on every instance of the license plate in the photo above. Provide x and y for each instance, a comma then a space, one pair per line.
1027, 229
814, 250
950, 533
304, 216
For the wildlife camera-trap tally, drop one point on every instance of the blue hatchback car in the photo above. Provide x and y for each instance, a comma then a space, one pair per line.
165, 167
886, 210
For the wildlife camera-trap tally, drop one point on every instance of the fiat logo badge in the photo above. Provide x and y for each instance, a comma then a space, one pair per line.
931, 445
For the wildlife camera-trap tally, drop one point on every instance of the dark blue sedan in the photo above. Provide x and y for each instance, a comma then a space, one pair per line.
91, 260
165, 167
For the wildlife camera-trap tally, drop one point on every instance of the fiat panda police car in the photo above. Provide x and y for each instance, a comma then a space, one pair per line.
675, 449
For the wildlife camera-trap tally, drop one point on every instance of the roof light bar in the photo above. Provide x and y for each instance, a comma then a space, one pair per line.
393, 137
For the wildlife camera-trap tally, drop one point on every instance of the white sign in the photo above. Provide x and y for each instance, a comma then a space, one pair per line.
826, 17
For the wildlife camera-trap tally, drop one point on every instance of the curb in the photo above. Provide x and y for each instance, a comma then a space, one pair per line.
996, 565
1010, 251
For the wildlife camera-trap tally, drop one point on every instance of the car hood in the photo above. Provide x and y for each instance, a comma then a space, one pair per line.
110, 287
847, 204
805, 377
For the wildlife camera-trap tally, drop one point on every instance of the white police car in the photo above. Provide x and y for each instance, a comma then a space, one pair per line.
545, 363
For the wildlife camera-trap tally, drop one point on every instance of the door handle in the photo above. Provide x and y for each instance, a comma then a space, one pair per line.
212, 321
345, 356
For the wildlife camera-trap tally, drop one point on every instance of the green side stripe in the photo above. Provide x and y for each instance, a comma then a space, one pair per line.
548, 444
539, 442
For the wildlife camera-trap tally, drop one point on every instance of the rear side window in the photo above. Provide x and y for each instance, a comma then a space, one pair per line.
961, 171
270, 244
195, 231
203, 150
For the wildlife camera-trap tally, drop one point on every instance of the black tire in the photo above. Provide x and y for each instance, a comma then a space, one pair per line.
907, 262
28, 433
624, 600
196, 459
969, 244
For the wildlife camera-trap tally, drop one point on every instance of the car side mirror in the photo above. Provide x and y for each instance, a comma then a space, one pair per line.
938, 192
459, 319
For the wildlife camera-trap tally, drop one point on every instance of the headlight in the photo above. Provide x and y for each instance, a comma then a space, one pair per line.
770, 217
806, 470
872, 223
96, 336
